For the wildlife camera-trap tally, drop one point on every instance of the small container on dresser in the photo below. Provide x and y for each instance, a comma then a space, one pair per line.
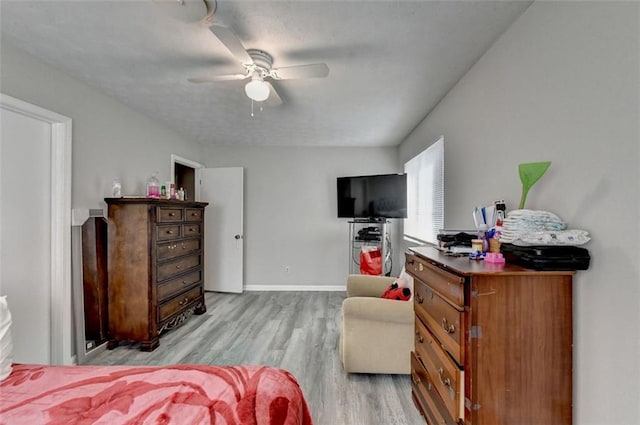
155, 267
493, 344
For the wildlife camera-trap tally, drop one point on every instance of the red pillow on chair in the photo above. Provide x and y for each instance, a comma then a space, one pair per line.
401, 288
396, 292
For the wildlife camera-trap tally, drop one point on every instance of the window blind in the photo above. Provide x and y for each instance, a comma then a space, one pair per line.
425, 194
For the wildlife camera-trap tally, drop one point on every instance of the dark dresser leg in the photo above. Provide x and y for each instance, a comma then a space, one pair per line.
149, 345
200, 309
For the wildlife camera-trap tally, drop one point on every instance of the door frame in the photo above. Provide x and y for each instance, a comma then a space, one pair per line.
60, 189
175, 159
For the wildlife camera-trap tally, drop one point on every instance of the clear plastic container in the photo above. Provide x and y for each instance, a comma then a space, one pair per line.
153, 186
116, 189
482, 234
477, 245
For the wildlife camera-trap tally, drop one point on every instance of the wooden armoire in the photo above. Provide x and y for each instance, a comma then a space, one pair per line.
155, 267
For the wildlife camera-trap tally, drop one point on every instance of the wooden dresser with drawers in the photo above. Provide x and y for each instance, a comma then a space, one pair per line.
493, 343
155, 267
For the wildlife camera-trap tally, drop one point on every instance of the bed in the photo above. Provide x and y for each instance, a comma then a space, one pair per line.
159, 395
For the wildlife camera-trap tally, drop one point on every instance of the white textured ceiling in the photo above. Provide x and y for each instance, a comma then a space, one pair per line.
390, 61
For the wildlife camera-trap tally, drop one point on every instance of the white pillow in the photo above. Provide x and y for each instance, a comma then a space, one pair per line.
405, 280
6, 344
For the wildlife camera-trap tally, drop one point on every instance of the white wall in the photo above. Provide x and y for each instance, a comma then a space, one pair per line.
290, 209
562, 84
109, 139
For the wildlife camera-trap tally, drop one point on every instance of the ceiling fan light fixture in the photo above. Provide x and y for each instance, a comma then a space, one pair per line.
257, 90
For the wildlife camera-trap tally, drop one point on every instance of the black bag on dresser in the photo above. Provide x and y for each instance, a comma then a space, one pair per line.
547, 257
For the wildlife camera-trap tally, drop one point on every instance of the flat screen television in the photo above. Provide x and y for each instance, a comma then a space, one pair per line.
373, 197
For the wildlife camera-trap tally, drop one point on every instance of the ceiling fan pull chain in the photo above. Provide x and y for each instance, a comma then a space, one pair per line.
251, 107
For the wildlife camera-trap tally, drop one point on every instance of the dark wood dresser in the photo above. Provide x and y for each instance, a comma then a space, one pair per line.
155, 267
493, 344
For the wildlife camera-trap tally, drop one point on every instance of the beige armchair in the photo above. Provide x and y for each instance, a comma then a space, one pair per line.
377, 333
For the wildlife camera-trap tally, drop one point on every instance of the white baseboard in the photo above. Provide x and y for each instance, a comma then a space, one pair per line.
327, 288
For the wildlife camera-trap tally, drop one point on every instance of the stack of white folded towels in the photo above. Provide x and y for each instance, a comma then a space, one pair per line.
531, 227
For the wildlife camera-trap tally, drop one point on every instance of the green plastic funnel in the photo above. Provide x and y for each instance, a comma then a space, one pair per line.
530, 173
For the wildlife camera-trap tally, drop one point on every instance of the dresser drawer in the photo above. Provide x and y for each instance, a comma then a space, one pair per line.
446, 377
169, 214
174, 267
175, 249
425, 392
444, 321
164, 233
192, 229
174, 286
449, 285
179, 303
193, 214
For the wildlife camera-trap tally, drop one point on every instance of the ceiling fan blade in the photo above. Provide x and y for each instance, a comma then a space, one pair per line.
231, 42
214, 78
314, 70
273, 99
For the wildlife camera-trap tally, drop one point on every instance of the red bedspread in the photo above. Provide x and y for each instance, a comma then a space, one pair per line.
177, 394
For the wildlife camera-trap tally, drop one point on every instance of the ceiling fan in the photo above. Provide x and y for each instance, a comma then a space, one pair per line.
258, 68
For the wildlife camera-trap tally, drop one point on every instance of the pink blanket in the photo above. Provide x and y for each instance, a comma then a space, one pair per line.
177, 394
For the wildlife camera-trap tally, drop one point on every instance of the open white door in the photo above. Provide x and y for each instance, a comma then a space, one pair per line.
223, 188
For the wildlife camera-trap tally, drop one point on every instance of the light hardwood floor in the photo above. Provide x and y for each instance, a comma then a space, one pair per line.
296, 331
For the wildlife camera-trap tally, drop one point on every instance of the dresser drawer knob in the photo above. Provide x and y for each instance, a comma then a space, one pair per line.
184, 301
178, 266
184, 246
415, 379
172, 214
419, 337
184, 282
420, 267
191, 229
445, 382
419, 299
448, 329
194, 214
169, 232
